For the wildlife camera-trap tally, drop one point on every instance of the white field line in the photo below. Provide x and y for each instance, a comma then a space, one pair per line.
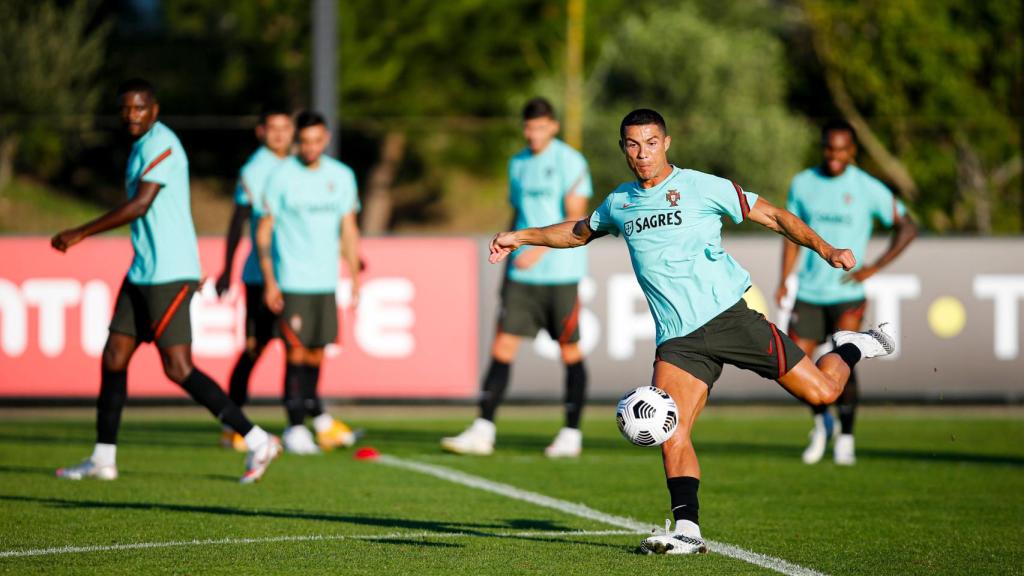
634, 526
307, 538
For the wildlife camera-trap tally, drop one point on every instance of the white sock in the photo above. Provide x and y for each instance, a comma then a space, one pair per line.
819, 422
571, 433
687, 528
104, 454
323, 423
256, 438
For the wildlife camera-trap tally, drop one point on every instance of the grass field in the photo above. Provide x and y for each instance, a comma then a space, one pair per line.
935, 491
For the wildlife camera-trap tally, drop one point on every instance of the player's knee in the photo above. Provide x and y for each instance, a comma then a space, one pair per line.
571, 353
177, 368
115, 359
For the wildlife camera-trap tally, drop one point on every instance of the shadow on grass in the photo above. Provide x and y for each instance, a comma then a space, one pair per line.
50, 472
792, 452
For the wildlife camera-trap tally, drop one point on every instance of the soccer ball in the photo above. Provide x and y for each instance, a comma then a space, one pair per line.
647, 416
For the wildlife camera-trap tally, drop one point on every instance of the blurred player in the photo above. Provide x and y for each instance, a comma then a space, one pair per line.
153, 303
309, 202
548, 182
276, 131
671, 221
840, 201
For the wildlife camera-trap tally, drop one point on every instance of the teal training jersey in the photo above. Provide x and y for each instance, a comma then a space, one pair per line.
674, 235
538, 185
841, 211
164, 238
252, 179
307, 206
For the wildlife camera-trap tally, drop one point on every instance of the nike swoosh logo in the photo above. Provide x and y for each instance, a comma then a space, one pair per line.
628, 205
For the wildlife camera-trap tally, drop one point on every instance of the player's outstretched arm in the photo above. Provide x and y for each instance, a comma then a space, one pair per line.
797, 231
123, 214
271, 292
238, 218
562, 235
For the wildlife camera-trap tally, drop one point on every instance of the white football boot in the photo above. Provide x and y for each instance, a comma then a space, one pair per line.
819, 436
567, 444
299, 440
89, 469
871, 343
686, 539
843, 451
258, 459
477, 440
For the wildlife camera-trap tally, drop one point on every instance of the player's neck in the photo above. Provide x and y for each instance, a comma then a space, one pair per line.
281, 154
543, 148
315, 164
662, 175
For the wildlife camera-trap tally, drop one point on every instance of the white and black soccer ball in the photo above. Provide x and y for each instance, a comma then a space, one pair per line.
647, 416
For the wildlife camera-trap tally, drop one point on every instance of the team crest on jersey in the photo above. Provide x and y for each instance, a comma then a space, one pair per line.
673, 197
847, 198
628, 227
330, 187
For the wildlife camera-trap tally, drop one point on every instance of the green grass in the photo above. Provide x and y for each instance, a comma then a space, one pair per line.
934, 492
29, 207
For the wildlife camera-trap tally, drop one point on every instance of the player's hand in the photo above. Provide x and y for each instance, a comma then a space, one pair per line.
223, 283
841, 258
503, 244
780, 293
66, 239
273, 298
860, 275
528, 258
354, 301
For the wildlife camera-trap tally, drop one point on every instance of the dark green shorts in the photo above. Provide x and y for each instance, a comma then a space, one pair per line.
259, 320
526, 308
738, 336
817, 322
155, 312
309, 320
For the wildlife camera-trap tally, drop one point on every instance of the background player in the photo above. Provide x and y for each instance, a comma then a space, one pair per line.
841, 202
309, 202
671, 221
275, 131
153, 303
548, 182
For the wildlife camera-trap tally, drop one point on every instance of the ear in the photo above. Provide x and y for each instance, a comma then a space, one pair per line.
668, 142
622, 146
556, 126
327, 138
156, 110
261, 132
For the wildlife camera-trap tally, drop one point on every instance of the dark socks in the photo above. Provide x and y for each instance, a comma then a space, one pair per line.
494, 386
575, 393
205, 391
311, 399
683, 490
239, 383
849, 353
294, 403
110, 404
848, 404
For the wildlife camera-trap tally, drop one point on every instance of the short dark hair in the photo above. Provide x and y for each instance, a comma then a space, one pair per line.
837, 125
308, 118
642, 117
538, 108
136, 85
269, 111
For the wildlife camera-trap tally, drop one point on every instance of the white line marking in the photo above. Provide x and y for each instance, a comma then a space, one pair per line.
308, 538
634, 526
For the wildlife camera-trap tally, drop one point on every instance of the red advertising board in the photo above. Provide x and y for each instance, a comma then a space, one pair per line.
413, 335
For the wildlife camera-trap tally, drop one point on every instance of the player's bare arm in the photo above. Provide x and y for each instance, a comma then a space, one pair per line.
271, 291
567, 234
904, 231
790, 251
123, 214
239, 217
575, 210
350, 252
794, 229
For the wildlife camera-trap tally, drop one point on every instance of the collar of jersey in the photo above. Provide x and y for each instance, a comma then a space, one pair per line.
638, 191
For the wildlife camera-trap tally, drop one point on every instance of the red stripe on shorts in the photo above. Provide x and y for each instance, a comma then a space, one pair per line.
289, 335
780, 351
569, 325
159, 327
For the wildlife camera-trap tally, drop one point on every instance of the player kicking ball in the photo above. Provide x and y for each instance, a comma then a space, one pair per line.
310, 202
276, 132
671, 221
153, 303
548, 182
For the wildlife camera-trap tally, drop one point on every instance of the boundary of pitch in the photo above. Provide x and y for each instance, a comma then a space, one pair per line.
583, 511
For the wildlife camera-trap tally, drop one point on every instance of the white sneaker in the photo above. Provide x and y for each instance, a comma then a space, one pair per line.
872, 343
257, 461
567, 444
816, 448
477, 440
299, 440
681, 541
88, 469
843, 450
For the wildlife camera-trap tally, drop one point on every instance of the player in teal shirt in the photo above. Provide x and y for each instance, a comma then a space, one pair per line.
275, 131
842, 203
153, 303
309, 207
549, 182
671, 222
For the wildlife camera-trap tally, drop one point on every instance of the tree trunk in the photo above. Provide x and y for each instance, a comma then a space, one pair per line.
8, 148
972, 184
379, 201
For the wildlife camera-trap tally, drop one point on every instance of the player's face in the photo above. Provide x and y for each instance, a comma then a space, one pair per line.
138, 113
838, 151
313, 141
539, 132
277, 133
646, 149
